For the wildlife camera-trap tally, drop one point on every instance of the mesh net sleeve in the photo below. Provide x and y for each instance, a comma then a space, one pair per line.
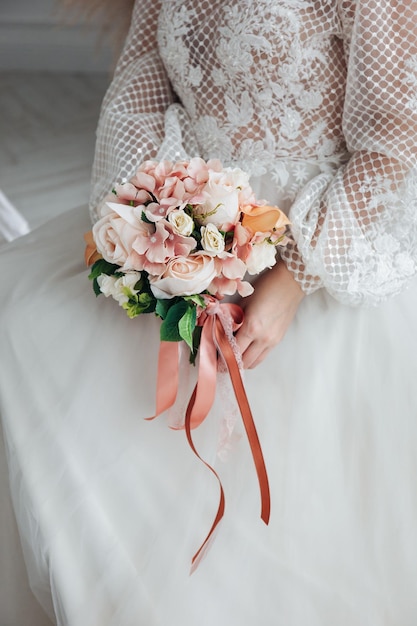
139, 117
355, 233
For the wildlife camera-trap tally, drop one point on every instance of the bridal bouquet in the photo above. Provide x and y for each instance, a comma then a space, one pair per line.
177, 235
174, 241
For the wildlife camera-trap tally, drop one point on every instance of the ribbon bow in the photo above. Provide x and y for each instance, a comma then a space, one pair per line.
218, 321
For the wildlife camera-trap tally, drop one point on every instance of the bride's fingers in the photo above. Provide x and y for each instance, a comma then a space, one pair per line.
253, 355
253, 350
243, 340
259, 359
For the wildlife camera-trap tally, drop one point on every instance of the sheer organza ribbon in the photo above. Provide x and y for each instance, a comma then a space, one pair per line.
218, 322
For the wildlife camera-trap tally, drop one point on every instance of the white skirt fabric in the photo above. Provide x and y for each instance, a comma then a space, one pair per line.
12, 223
111, 507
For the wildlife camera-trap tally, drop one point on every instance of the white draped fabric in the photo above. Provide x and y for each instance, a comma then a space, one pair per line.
317, 100
12, 223
18, 605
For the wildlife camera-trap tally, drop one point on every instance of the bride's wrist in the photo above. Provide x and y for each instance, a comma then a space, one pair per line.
286, 276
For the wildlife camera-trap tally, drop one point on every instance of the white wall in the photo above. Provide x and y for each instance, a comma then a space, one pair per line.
35, 36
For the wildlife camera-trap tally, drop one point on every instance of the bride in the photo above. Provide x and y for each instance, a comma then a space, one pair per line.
317, 101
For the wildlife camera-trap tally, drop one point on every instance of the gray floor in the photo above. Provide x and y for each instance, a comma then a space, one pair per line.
47, 135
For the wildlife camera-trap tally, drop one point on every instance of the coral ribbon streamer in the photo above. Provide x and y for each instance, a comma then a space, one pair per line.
167, 378
220, 510
214, 340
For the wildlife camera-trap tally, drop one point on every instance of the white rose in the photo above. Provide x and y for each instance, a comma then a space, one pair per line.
212, 240
182, 223
184, 276
107, 284
263, 255
122, 288
222, 190
128, 281
234, 177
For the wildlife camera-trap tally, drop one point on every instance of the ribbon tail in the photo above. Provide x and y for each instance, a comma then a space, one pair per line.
205, 389
241, 397
167, 378
199, 555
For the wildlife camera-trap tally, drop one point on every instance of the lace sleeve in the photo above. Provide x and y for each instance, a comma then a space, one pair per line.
139, 117
355, 233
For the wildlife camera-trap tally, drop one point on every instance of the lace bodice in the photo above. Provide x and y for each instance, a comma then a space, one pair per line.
317, 96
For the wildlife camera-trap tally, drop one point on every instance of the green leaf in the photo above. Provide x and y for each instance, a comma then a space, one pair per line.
96, 287
145, 299
196, 344
187, 324
143, 303
197, 299
102, 267
139, 285
169, 332
196, 234
169, 327
162, 307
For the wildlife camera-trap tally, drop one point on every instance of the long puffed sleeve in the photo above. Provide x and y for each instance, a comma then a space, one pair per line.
140, 118
355, 232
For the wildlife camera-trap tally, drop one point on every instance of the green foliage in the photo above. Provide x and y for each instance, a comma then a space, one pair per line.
102, 267
163, 306
138, 304
187, 324
169, 326
197, 299
96, 287
179, 314
142, 302
179, 322
196, 344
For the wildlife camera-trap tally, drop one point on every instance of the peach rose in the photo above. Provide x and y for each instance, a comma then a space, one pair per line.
263, 218
184, 276
117, 231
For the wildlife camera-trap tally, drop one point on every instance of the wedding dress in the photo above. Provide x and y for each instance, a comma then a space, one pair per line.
317, 100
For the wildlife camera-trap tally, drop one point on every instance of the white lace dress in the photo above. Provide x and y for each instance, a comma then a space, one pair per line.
317, 99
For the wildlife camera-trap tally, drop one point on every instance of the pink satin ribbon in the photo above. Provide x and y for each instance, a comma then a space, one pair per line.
214, 341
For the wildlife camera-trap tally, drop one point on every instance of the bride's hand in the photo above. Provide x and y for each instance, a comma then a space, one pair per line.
268, 313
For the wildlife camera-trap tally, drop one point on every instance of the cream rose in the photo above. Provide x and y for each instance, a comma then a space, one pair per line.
222, 190
182, 223
262, 255
184, 276
212, 240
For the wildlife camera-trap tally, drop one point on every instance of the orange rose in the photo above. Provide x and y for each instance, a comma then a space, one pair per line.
263, 218
91, 255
